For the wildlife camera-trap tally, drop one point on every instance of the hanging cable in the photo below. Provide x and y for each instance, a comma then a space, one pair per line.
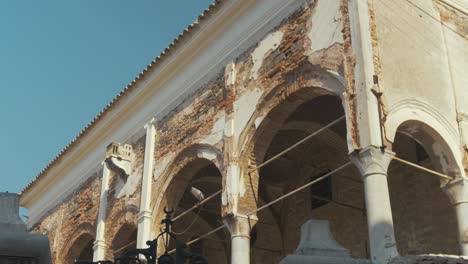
423, 168
297, 144
300, 188
436, 19
125, 247
273, 202
197, 205
191, 224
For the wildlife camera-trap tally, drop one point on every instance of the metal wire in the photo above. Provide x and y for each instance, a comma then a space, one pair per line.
423, 168
197, 205
125, 247
297, 144
300, 188
274, 201
201, 237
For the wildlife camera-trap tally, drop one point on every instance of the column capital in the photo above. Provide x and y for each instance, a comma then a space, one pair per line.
143, 215
457, 191
372, 160
240, 225
99, 243
150, 123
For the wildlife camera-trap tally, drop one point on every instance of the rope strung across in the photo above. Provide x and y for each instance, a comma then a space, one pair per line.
423, 168
329, 174
265, 163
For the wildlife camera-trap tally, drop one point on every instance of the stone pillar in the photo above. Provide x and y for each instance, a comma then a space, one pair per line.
373, 163
457, 191
100, 244
145, 218
240, 226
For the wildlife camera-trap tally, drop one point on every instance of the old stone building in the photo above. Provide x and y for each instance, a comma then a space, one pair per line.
350, 111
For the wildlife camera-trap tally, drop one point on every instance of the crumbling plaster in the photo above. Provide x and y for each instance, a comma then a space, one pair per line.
309, 54
283, 62
413, 71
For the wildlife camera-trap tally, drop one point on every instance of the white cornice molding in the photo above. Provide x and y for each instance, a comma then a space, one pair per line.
235, 27
460, 5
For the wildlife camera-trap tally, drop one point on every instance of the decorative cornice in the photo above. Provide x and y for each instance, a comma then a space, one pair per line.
460, 5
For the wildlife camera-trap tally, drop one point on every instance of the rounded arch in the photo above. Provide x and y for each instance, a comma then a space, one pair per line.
431, 130
275, 106
80, 245
198, 156
194, 174
124, 238
284, 116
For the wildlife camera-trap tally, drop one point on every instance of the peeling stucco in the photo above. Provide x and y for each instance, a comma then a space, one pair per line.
327, 25
268, 44
161, 165
244, 107
128, 187
216, 134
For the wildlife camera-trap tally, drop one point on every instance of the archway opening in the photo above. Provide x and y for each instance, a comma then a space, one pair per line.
423, 217
81, 249
124, 239
338, 199
197, 179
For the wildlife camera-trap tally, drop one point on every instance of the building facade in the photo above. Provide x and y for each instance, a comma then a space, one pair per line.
272, 113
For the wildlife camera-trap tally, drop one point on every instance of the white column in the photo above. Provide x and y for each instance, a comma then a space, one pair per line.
457, 191
100, 244
145, 218
373, 163
240, 226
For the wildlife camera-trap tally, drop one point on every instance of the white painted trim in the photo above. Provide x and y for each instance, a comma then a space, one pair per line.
460, 5
413, 108
144, 217
416, 110
239, 25
99, 244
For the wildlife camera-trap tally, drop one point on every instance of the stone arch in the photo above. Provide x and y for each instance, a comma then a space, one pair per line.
123, 239
282, 111
275, 107
203, 153
199, 166
79, 245
430, 129
423, 218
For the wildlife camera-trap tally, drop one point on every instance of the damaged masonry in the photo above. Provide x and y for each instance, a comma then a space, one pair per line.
310, 131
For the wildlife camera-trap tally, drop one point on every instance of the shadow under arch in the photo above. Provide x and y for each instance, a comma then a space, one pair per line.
197, 156
426, 126
281, 101
199, 166
123, 239
423, 217
80, 245
285, 117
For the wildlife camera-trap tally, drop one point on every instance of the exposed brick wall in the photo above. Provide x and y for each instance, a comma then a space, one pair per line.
74, 217
288, 74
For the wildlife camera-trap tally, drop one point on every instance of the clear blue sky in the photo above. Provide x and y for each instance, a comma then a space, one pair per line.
61, 62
